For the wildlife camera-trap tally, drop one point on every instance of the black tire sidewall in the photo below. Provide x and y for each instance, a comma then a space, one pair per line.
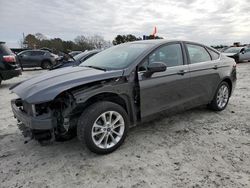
86, 122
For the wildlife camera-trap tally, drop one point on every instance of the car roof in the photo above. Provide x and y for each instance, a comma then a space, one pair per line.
35, 51
163, 41
32, 51
235, 47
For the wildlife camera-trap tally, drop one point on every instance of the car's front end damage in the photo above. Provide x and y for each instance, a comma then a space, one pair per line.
45, 121
48, 106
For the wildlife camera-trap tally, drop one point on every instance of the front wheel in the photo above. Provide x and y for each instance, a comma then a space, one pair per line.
221, 97
103, 127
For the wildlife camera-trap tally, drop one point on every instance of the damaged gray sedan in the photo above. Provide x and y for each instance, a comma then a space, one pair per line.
120, 87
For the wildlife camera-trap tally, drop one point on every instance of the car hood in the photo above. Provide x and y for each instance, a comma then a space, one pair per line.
47, 86
229, 54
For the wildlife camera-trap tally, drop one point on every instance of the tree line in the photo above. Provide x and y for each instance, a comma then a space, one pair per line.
81, 42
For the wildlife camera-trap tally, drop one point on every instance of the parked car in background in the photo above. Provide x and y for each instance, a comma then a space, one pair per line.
239, 54
74, 53
120, 87
36, 58
76, 60
9, 66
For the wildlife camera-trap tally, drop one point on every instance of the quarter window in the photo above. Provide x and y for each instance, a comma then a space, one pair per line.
197, 54
170, 54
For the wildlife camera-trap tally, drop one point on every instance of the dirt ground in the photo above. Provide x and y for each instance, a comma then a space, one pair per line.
197, 148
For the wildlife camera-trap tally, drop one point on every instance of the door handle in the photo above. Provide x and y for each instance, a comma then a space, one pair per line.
182, 72
215, 67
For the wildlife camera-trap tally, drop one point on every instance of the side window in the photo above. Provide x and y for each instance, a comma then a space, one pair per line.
170, 54
37, 53
213, 54
26, 53
197, 54
247, 50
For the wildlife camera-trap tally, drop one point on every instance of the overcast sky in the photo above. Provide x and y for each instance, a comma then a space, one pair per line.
206, 21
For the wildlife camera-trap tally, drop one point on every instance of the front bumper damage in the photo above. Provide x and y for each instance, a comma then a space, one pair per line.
32, 126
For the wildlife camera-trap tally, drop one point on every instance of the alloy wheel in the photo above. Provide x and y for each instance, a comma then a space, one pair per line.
222, 96
108, 129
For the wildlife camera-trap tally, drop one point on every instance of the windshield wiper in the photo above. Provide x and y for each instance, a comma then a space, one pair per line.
94, 67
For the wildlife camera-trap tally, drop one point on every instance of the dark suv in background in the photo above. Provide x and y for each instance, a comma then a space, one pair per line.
37, 58
8, 63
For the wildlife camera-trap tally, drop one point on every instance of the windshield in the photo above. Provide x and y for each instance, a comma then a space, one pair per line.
233, 50
117, 57
78, 57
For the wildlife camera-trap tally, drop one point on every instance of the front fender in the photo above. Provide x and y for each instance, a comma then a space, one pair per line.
116, 87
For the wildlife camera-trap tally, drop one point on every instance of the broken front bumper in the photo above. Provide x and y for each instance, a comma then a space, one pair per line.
30, 122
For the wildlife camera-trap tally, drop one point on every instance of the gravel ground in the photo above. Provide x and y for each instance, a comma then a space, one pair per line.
197, 148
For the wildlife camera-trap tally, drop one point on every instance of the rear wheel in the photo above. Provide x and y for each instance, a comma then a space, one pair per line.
46, 65
221, 97
103, 127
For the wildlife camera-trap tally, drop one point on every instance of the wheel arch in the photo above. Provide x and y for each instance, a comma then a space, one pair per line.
229, 81
45, 60
120, 99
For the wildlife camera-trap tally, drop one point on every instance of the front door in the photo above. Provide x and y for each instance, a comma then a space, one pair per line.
164, 90
24, 58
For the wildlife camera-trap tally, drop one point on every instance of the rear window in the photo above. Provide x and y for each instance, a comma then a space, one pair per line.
4, 49
213, 54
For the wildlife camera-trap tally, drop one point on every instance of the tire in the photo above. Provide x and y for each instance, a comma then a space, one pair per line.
92, 122
0, 80
221, 97
46, 65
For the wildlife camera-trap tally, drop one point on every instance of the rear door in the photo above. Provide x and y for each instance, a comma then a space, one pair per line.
204, 74
164, 90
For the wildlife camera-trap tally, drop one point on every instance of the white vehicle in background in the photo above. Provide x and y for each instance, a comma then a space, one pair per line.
238, 53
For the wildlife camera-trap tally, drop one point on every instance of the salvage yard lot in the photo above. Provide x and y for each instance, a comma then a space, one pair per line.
197, 148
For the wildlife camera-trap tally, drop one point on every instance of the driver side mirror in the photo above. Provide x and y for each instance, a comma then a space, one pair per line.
156, 67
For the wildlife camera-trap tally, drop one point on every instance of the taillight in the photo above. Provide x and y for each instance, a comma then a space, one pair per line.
9, 58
